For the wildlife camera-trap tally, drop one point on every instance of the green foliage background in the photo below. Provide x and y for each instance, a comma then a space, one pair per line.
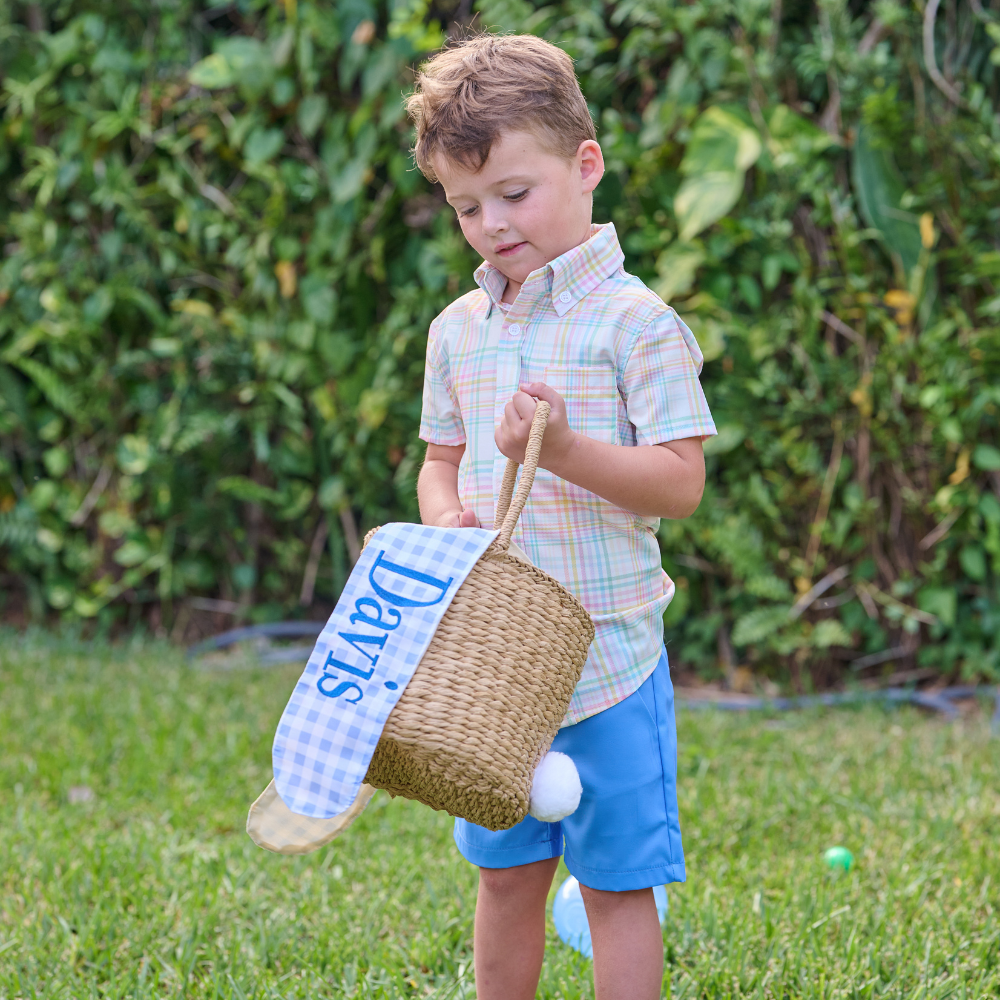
219, 266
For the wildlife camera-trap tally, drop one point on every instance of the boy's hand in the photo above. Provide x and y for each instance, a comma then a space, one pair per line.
458, 519
652, 480
515, 425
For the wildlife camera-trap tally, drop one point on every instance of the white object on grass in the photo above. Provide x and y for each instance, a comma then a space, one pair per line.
555, 789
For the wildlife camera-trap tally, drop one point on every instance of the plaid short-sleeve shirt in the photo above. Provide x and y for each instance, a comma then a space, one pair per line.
628, 369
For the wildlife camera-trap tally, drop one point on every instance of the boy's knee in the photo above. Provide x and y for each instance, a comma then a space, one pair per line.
599, 901
518, 880
500, 881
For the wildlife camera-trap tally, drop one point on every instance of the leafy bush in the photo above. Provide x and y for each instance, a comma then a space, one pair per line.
220, 265
217, 287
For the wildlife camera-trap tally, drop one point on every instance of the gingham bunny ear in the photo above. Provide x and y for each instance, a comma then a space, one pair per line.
273, 826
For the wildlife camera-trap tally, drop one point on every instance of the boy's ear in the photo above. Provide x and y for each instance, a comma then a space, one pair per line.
591, 160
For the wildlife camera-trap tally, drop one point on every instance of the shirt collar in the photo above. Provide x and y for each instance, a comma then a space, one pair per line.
569, 277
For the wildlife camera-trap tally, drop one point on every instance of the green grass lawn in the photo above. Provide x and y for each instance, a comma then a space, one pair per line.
152, 888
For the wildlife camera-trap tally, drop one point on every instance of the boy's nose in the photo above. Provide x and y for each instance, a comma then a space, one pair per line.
494, 223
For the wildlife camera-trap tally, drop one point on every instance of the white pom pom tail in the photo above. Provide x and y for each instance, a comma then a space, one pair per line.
555, 789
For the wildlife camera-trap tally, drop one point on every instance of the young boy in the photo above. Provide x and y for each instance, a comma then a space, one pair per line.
502, 125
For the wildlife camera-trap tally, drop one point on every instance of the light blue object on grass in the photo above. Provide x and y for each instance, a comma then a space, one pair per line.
570, 915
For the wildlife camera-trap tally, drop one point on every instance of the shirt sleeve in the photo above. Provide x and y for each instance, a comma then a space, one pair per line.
663, 395
440, 415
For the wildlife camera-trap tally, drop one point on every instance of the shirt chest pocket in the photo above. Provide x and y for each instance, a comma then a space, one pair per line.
591, 394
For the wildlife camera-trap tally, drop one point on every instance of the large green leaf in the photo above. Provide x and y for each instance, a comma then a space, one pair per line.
677, 267
986, 457
263, 144
311, 113
758, 624
238, 60
249, 60
212, 73
720, 142
721, 149
730, 436
62, 396
246, 489
880, 191
705, 198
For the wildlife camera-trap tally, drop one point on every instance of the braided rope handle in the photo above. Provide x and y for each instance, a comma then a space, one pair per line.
508, 513
510, 504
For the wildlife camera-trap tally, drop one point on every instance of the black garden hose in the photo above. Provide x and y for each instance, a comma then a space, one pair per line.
941, 700
270, 631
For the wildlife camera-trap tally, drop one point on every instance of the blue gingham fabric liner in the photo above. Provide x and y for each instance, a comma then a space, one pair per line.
364, 658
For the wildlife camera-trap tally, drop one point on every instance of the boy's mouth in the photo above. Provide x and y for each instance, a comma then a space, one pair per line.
509, 249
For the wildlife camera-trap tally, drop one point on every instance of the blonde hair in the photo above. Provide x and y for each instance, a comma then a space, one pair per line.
475, 90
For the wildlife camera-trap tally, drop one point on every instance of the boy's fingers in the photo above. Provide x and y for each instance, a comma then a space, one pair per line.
517, 422
542, 391
512, 418
524, 405
468, 519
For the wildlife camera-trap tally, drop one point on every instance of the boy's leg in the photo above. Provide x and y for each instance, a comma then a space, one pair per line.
625, 835
628, 943
510, 929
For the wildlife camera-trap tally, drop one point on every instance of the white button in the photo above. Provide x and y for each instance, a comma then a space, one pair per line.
514, 330
565, 297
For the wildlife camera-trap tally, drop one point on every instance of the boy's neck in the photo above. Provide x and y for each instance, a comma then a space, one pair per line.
511, 291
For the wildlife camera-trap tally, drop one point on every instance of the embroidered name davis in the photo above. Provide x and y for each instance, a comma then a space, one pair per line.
386, 579
363, 659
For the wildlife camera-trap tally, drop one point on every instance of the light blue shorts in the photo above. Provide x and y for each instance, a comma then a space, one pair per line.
626, 832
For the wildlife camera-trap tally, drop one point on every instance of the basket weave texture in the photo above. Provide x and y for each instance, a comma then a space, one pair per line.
487, 699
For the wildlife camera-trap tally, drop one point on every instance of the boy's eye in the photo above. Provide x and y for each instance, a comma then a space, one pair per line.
515, 197
467, 213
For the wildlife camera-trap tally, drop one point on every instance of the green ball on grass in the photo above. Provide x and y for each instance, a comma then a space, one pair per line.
838, 858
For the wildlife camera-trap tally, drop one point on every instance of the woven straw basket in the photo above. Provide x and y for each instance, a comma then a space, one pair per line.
488, 697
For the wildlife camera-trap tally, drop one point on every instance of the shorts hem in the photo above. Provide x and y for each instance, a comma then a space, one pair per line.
508, 857
642, 878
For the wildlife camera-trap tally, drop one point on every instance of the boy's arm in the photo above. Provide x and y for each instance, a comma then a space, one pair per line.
437, 489
659, 480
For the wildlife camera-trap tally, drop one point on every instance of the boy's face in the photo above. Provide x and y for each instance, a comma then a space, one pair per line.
527, 205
